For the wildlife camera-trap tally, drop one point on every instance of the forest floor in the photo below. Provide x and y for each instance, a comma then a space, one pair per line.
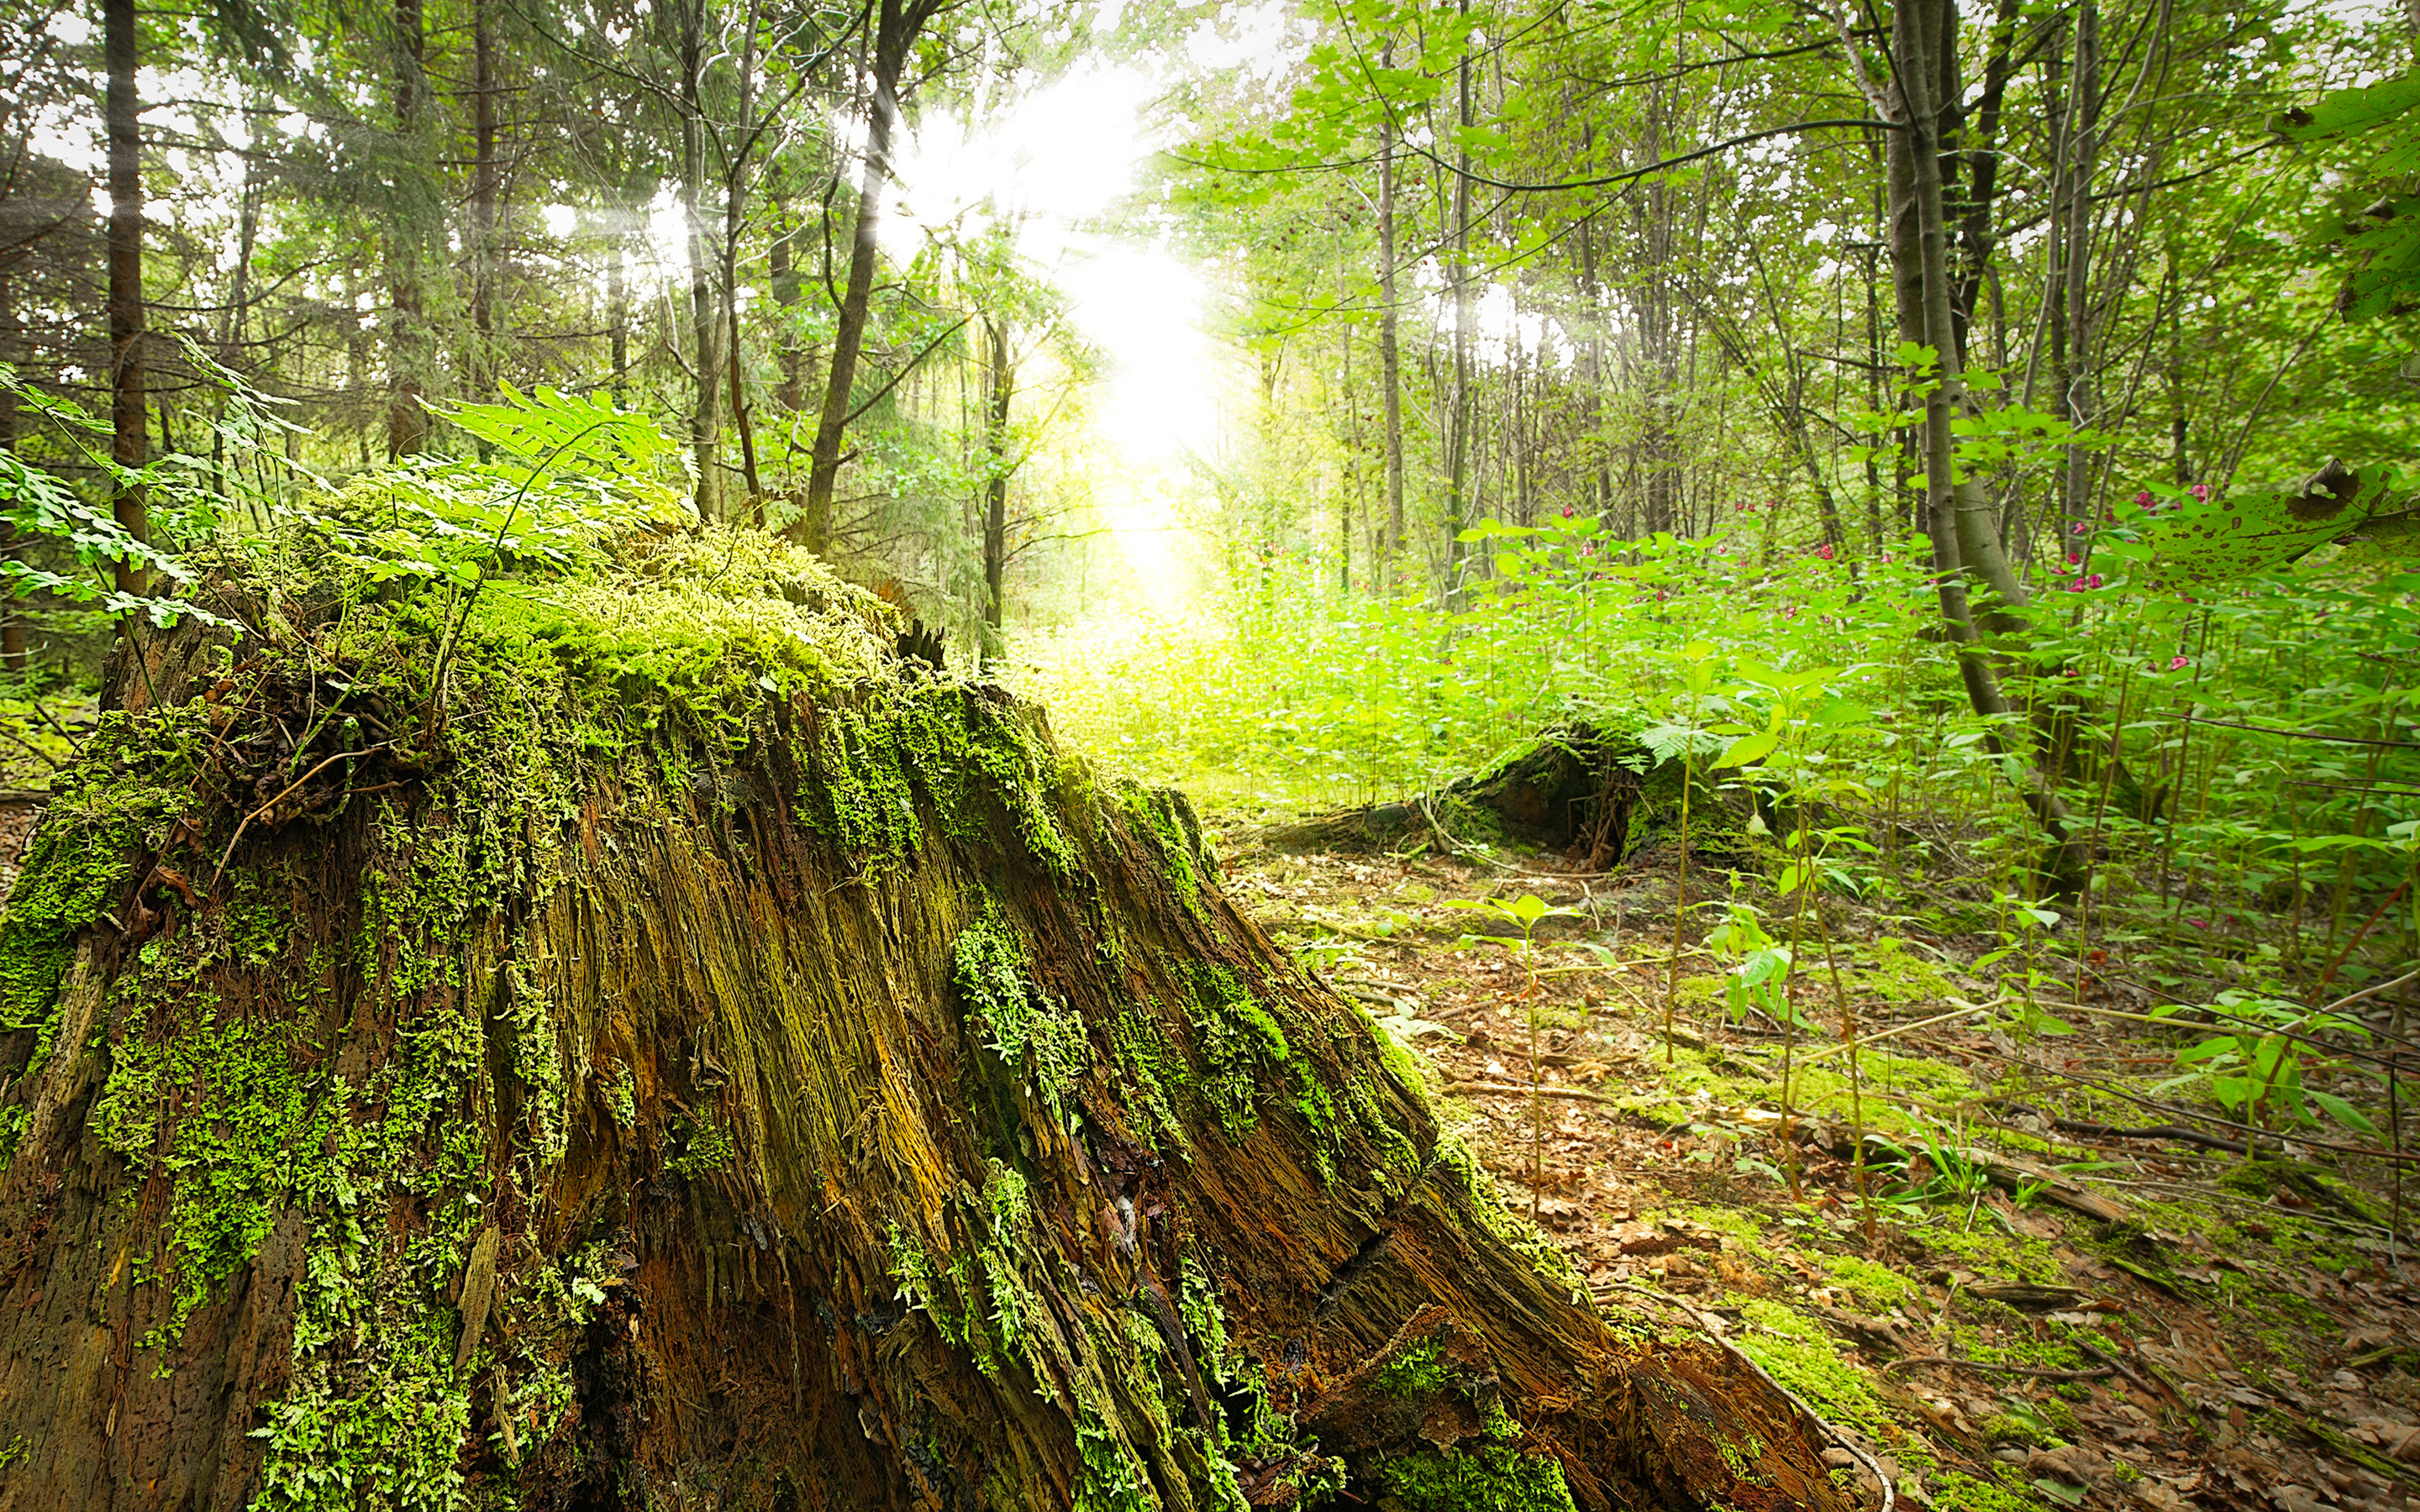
2012, 1315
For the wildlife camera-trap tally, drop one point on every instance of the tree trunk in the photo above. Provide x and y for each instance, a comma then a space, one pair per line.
483, 173
791, 358
2076, 399
12, 609
130, 416
1965, 530
895, 32
735, 215
617, 313
1390, 369
866, 1111
706, 412
1457, 461
1000, 382
406, 414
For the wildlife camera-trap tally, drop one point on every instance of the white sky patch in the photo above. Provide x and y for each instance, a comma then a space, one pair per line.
1059, 156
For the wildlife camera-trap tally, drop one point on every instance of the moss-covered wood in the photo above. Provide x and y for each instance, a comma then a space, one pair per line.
691, 1059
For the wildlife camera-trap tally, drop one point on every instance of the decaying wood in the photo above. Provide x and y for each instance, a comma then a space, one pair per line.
923, 1274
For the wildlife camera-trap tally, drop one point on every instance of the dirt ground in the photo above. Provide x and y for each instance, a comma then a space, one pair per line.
2158, 1322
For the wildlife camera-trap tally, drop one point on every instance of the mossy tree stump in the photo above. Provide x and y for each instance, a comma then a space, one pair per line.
681, 1057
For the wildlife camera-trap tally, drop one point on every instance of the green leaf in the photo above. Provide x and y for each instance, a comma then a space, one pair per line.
1749, 748
2342, 1111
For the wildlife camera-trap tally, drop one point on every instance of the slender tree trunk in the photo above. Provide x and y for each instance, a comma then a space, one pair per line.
1352, 453
1458, 426
894, 32
1592, 357
789, 356
1967, 554
1000, 382
12, 611
706, 415
235, 320
129, 415
483, 366
407, 415
734, 205
1977, 239
1390, 373
2077, 397
617, 313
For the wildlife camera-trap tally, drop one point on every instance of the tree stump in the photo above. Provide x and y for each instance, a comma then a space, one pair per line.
675, 1053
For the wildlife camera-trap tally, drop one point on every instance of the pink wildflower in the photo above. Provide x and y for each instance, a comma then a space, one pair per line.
2178, 663
2144, 498
2079, 528
1824, 551
1567, 512
2201, 491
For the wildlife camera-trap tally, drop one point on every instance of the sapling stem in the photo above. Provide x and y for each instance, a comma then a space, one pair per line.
1681, 906
1537, 1117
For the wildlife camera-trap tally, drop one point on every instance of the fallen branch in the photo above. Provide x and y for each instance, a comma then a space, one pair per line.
2155, 1131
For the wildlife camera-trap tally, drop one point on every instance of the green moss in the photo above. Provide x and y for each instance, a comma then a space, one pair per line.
132, 784
1417, 1373
1148, 1067
698, 1146
1797, 1352
1242, 1044
217, 1105
1112, 1481
860, 797
1877, 1288
1953, 1491
1460, 1169
1030, 1030
1496, 1478
1236, 1037
1161, 817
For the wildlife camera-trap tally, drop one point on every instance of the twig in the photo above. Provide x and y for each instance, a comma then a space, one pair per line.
38, 752
1902, 1028
229, 854
2372, 991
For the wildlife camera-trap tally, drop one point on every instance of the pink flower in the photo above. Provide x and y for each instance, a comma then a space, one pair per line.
1567, 512
2175, 663
2079, 528
2093, 581
1886, 558
2201, 491
2144, 498
1824, 551
2072, 559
